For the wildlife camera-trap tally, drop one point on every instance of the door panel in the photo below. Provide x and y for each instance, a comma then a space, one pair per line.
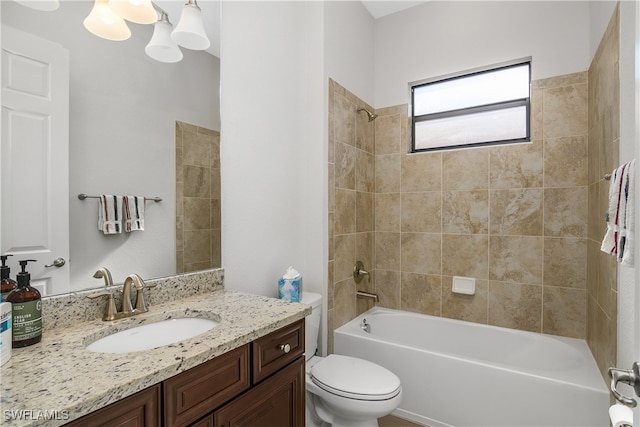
34, 157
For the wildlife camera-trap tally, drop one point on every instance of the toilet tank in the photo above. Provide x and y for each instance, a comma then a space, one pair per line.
312, 322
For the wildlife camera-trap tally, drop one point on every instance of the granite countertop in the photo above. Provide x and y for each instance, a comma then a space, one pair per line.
58, 380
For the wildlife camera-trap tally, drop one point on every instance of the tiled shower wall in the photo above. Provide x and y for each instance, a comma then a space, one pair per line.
197, 198
604, 127
513, 217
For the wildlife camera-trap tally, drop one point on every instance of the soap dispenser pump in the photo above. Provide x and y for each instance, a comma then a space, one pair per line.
26, 310
7, 284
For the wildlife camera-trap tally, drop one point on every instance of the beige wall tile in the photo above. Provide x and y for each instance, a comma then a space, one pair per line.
566, 161
421, 212
516, 259
345, 166
388, 288
365, 132
197, 213
515, 305
564, 312
565, 262
421, 253
565, 111
197, 246
465, 169
421, 293
593, 267
565, 211
344, 302
421, 172
196, 149
516, 212
387, 251
365, 171
345, 254
364, 211
388, 172
595, 214
365, 244
197, 181
345, 213
516, 166
388, 134
387, 212
343, 123
472, 308
465, 255
465, 212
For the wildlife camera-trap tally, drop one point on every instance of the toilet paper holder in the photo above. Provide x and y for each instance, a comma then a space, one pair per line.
630, 377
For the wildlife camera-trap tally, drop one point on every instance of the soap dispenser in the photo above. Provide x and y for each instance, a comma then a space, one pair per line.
26, 310
7, 284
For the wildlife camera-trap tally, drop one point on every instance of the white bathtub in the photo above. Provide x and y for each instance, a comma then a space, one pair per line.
457, 373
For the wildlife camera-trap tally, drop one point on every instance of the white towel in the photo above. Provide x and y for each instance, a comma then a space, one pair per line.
618, 239
133, 211
109, 214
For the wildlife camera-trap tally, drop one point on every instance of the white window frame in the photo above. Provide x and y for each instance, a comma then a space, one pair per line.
469, 112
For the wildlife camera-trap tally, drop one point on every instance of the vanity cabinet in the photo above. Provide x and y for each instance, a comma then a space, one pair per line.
258, 384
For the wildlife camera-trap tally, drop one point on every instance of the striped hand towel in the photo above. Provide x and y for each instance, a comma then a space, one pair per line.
109, 208
133, 211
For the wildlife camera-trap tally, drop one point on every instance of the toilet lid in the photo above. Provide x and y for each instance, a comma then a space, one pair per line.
355, 378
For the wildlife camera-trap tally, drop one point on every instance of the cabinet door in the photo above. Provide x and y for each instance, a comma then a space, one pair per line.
278, 401
196, 392
139, 410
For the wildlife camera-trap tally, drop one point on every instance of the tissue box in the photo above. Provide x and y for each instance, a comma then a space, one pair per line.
290, 289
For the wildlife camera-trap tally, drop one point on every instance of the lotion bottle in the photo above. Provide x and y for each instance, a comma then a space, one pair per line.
7, 284
26, 310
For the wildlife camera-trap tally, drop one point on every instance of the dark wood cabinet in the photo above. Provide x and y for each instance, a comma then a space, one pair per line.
259, 384
139, 410
278, 401
193, 393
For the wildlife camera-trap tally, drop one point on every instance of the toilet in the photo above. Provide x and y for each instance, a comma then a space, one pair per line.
344, 391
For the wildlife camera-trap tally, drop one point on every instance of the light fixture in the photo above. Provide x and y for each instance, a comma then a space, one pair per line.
161, 47
190, 32
103, 22
44, 5
138, 11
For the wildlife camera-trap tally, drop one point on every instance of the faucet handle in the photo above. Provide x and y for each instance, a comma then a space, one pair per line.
110, 310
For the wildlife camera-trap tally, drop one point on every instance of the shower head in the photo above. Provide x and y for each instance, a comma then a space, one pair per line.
372, 116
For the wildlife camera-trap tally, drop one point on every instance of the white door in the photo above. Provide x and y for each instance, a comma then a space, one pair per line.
34, 158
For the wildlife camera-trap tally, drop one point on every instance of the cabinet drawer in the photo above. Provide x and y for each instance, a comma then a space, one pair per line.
196, 392
274, 351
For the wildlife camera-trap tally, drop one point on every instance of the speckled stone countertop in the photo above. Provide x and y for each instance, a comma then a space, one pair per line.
60, 376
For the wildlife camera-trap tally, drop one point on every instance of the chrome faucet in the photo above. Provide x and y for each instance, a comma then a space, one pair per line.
127, 309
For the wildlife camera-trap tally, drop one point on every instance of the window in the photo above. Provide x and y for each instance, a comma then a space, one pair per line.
483, 107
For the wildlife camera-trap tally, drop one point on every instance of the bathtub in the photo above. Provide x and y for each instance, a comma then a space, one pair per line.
457, 373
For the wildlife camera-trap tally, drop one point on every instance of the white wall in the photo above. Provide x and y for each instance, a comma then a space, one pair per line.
123, 108
273, 155
599, 15
441, 37
349, 49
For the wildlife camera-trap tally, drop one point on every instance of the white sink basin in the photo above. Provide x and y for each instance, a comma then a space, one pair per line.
152, 335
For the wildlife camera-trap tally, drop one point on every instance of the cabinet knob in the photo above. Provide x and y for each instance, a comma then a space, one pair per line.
285, 347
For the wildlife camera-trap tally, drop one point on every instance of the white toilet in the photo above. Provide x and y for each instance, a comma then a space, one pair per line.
344, 391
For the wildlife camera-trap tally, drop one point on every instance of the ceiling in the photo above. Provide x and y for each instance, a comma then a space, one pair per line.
211, 14
380, 8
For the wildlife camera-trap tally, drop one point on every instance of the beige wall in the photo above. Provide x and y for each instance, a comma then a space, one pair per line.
604, 127
197, 198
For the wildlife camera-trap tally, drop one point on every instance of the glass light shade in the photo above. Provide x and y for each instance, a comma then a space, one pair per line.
161, 47
190, 32
103, 22
138, 11
44, 5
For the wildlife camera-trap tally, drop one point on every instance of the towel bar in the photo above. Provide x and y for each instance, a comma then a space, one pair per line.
607, 176
83, 196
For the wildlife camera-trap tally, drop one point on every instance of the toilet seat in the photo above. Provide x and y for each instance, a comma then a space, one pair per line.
354, 378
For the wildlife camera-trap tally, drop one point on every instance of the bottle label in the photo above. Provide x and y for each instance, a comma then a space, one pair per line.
27, 320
